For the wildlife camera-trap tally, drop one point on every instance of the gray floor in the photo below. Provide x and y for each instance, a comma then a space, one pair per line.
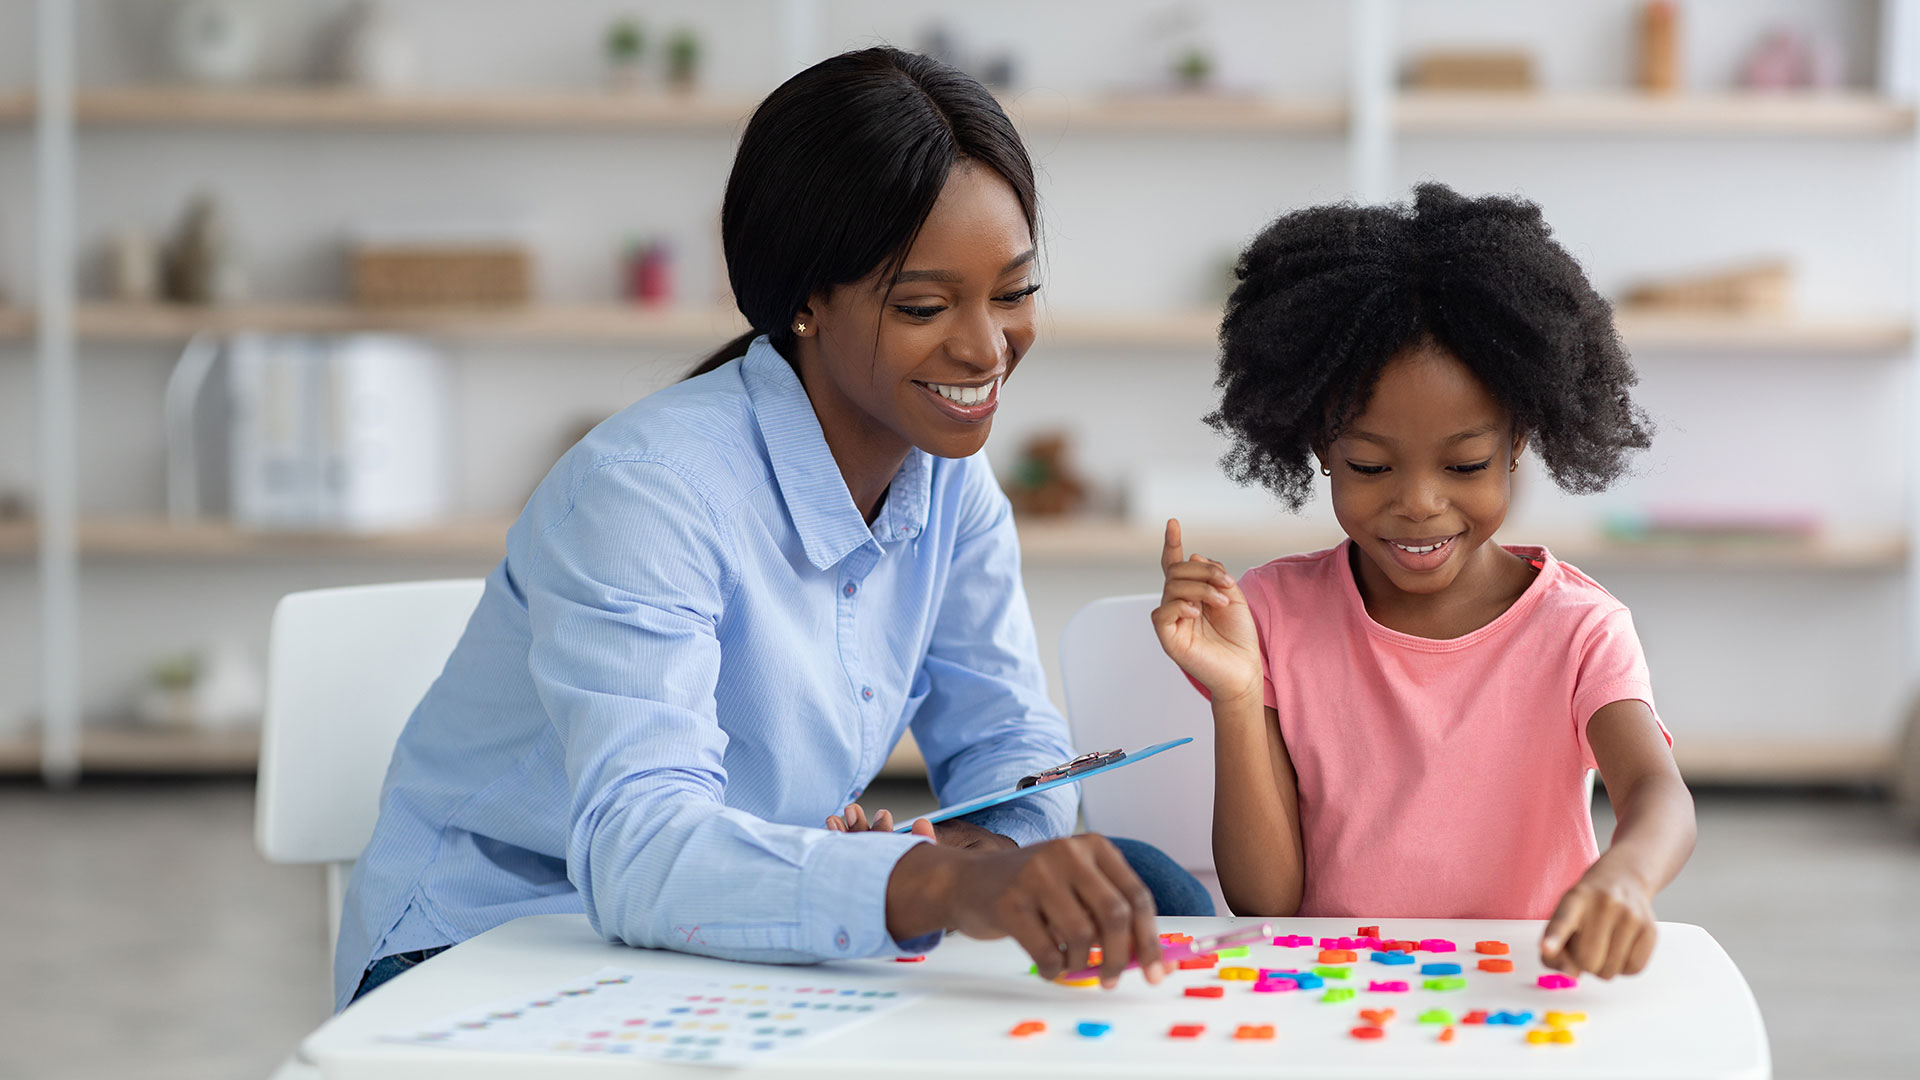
143, 936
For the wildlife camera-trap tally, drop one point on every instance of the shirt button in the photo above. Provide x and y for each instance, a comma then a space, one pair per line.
840, 939
850, 589
866, 692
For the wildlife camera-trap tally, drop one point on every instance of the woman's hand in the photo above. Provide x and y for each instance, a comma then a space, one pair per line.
955, 833
1603, 925
854, 819
1205, 625
1059, 900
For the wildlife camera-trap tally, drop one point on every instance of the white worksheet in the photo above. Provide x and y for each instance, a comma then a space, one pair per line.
666, 1016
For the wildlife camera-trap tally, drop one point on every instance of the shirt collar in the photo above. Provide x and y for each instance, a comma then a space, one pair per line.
829, 524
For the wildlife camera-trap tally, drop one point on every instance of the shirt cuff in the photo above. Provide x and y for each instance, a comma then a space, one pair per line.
843, 897
1030, 820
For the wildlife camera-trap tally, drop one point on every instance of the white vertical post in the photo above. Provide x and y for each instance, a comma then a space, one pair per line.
1899, 75
1899, 79
58, 497
1370, 125
799, 35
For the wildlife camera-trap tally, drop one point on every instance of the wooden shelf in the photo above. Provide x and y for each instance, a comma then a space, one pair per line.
1417, 112
1654, 331
583, 323
623, 324
297, 107
1176, 113
1750, 114
145, 751
1095, 542
348, 109
1064, 542
1762, 760
1702, 760
481, 541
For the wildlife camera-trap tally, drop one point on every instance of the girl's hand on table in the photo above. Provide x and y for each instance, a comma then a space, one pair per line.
1205, 625
955, 833
1604, 925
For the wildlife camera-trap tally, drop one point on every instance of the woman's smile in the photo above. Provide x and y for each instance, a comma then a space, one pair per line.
967, 403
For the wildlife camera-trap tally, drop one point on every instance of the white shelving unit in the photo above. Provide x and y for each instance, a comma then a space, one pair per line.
1372, 123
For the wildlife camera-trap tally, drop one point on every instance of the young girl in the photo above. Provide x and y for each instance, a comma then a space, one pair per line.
1404, 722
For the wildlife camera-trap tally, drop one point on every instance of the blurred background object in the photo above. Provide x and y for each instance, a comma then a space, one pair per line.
1044, 482
1492, 70
1764, 287
356, 271
1660, 46
215, 42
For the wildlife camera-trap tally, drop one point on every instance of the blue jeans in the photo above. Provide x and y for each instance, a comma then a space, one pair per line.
387, 967
1175, 892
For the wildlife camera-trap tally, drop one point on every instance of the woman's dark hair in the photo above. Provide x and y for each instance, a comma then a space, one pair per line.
838, 170
1328, 295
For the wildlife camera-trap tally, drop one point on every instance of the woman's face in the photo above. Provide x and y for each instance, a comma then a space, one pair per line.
919, 359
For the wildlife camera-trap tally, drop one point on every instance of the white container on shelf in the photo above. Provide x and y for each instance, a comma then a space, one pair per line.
337, 435
384, 434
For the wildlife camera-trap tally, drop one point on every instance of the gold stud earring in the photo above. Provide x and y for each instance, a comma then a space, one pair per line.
1324, 471
1514, 465
800, 328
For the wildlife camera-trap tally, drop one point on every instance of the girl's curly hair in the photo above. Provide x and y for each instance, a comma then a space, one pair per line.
1328, 295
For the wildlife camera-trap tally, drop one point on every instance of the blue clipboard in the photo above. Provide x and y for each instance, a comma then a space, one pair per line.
1012, 793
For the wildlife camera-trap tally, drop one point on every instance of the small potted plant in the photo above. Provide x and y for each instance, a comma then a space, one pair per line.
683, 60
626, 44
1193, 68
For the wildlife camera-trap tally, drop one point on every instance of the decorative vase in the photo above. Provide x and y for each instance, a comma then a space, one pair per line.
373, 52
216, 42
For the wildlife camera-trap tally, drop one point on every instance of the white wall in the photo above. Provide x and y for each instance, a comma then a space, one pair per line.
1135, 223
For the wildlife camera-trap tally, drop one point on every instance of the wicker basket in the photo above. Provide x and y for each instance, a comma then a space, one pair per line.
423, 276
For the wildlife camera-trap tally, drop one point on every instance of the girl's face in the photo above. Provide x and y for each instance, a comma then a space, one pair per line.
1423, 477
919, 359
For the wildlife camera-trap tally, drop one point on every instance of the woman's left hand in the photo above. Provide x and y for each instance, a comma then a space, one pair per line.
956, 833
1604, 925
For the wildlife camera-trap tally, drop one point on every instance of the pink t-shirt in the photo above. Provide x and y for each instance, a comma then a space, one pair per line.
1441, 779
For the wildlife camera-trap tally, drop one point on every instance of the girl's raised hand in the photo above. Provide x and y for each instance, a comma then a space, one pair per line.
1205, 625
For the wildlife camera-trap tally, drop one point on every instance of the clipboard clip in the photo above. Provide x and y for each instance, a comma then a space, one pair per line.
1086, 762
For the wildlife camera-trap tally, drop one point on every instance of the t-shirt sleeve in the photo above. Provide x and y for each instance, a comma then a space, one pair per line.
1260, 601
1612, 668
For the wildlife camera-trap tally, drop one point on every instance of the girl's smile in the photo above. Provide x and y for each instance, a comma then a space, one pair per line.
1422, 556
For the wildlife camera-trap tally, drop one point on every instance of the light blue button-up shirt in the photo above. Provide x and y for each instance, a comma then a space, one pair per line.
694, 651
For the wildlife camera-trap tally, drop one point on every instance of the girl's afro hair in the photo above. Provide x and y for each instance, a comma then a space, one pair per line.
1328, 295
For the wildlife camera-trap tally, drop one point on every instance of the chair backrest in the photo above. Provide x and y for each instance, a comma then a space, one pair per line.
345, 668
1122, 691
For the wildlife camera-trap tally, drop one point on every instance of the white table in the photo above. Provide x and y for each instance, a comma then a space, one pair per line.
1689, 1015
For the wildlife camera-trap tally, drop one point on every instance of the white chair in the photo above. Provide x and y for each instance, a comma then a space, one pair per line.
1122, 691
345, 668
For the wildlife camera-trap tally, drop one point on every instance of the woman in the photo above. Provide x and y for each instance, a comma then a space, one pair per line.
720, 611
